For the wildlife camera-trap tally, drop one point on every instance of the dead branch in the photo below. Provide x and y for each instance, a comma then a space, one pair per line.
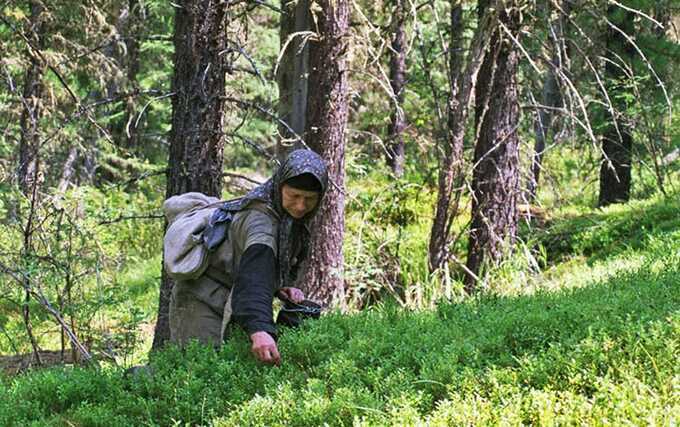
36, 292
131, 217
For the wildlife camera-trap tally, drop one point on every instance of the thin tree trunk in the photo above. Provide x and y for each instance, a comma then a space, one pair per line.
29, 152
29, 144
327, 117
495, 181
27, 254
196, 138
293, 71
451, 162
395, 132
126, 55
617, 138
69, 169
132, 34
551, 96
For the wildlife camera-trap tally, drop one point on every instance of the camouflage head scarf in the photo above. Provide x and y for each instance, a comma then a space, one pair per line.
293, 235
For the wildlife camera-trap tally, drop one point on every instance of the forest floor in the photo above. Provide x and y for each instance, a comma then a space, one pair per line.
592, 337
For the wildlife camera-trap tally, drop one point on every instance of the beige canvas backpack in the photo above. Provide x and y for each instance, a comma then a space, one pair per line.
184, 255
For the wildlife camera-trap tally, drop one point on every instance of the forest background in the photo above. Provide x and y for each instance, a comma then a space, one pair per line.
477, 151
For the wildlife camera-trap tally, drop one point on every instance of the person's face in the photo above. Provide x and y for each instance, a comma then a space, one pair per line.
298, 203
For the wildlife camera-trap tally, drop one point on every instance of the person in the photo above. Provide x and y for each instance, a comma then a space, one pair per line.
255, 246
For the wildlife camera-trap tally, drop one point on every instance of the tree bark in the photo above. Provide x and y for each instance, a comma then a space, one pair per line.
29, 144
551, 96
451, 161
395, 131
495, 180
292, 76
617, 138
326, 120
196, 138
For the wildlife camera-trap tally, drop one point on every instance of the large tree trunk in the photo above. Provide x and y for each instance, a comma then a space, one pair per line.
551, 96
395, 131
29, 144
495, 181
326, 120
617, 138
451, 162
196, 138
293, 73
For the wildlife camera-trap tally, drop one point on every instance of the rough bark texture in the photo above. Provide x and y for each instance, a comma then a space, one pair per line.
395, 131
617, 139
550, 97
451, 162
451, 155
196, 138
495, 181
29, 144
326, 120
292, 77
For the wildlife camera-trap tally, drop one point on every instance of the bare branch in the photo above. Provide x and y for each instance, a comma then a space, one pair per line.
39, 296
131, 217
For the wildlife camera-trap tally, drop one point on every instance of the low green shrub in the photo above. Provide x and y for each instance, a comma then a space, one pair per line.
605, 350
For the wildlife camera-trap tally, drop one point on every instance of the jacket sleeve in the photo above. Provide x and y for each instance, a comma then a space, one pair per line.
253, 290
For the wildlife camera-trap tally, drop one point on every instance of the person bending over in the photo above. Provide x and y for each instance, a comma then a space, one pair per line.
255, 246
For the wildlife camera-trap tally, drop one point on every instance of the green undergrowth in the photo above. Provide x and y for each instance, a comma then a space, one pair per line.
602, 233
604, 352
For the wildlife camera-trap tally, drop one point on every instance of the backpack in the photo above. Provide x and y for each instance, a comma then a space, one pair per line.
185, 257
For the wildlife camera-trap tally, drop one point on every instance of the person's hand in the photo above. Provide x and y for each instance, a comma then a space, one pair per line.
292, 294
264, 348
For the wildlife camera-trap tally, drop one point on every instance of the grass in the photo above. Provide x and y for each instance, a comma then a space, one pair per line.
599, 345
593, 338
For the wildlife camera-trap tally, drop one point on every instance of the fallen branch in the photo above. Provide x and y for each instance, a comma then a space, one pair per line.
40, 297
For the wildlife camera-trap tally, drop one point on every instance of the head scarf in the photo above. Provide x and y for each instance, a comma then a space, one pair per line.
293, 235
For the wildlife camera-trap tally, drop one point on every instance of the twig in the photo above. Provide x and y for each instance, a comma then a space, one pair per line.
268, 113
22, 277
306, 35
637, 12
235, 175
139, 117
267, 5
134, 217
242, 52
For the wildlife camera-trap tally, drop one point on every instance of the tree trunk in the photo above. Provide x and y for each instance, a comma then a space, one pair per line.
132, 34
69, 169
327, 117
495, 180
395, 137
29, 153
126, 55
292, 76
617, 138
551, 96
29, 144
196, 138
451, 162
